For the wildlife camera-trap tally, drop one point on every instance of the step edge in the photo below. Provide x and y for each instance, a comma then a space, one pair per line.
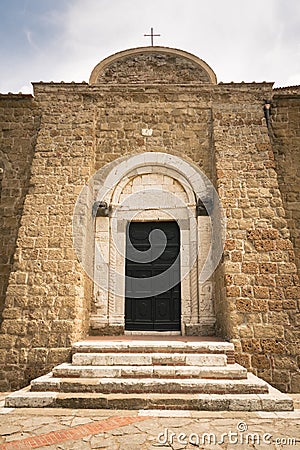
229, 402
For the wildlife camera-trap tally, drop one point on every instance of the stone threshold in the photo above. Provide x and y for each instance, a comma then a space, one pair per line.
151, 333
161, 336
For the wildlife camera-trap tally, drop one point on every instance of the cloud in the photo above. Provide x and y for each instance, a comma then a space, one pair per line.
30, 39
64, 40
240, 41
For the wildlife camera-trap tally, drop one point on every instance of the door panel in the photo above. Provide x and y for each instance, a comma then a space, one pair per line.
152, 301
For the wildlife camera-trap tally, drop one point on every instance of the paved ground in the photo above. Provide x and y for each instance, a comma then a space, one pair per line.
64, 429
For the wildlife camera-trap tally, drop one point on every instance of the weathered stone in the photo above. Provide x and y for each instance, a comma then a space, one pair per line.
268, 331
265, 280
251, 346
250, 268
275, 305
268, 268
244, 304
272, 346
289, 304
261, 292
261, 361
292, 292
233, 291
264, 245
295, 383
259, 305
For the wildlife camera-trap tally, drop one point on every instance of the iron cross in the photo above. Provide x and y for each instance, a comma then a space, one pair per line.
151, 35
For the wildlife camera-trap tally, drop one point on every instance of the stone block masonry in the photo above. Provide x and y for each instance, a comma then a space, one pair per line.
63, 135
20, 119
45, 296
261, 281
286, 143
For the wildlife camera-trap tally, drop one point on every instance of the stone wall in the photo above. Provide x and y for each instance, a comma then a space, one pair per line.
180, 125
285, 115
19, 118
45, 306
221, 129
261, 309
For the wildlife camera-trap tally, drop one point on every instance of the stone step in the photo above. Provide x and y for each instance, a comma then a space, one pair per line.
274, 401
155, 346
232, 371
148, 359
251, 385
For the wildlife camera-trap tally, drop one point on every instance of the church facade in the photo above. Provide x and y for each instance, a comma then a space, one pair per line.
150, 200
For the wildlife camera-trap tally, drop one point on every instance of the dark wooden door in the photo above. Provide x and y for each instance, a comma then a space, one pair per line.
152, 276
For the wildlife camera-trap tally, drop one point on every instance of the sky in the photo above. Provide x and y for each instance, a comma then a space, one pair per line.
62, 40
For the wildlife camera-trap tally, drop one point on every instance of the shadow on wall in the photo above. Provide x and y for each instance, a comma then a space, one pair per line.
17, 142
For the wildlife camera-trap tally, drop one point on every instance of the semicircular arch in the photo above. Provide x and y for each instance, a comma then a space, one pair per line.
196, 62
187, 174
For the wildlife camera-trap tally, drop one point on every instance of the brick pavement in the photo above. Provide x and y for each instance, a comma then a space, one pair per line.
73, 433
63, 429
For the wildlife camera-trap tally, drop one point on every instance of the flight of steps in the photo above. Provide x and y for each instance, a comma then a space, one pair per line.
147, 374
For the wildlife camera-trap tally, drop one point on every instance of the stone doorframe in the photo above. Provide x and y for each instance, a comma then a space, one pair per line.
152, 186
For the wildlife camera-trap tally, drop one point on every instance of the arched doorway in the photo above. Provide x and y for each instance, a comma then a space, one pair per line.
152, 190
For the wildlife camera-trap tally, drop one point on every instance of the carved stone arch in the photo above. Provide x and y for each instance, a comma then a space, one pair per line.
187, 172
163, 172
158, 170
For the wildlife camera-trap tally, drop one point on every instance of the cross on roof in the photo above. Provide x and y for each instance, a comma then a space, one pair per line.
151, 35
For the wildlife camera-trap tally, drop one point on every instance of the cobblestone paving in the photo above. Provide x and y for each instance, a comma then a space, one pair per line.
65, 429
